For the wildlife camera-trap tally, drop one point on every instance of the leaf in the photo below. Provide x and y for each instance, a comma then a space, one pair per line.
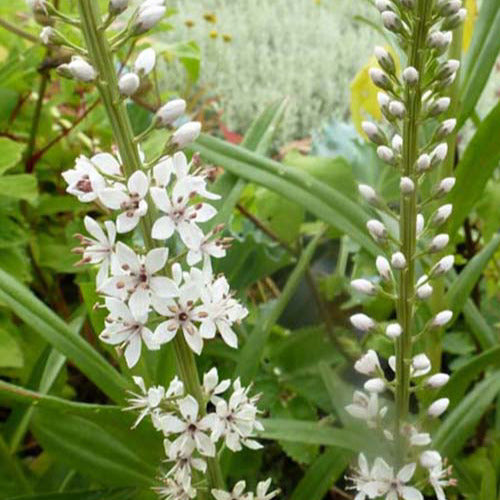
11, 355
462, 286
461, 422
469, 23
480, 58
251, 353
321, 475
55, 331
11, 154
488, 482
188, 53
476, 167
20, 186
108, 494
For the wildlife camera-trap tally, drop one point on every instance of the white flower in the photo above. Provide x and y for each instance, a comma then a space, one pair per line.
394, 486
129, 200
209, 247
184, 459
147, 402
430, 459
212, 387
375, 385
191, 429
368, 364
366, 408
176, 488
362, 322
129, 84
262, 491
238, 493
439, 478
420, 365
170, 112
127, 330
419, 438
437, 408
84, 181
186, 134
362, 478
48, 35
134, 278
81, 70
145, 62
149, 15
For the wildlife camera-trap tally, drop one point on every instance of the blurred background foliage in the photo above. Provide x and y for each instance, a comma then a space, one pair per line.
281, 88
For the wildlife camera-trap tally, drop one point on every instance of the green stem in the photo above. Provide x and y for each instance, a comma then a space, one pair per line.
101, 57
408, 236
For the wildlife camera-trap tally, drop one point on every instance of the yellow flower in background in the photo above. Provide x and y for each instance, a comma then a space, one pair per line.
227, 38
210, 17
213, 34
470, 22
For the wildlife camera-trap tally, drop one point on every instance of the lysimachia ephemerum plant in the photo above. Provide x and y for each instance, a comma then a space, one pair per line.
413, 101
153, 259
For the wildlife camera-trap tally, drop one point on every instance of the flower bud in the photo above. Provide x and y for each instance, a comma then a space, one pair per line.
385, 60
397, 109
386, 154
118, 6
442, 214
383, 100
128, 84
49, 36
439, 40
368, 193
421, 362
186, 134
439, 154
365, 324
377, 230
375, 385
423, 163
398, 261
449, 7
383, 268
445, 129
437, 408
368, 364
37, 6
81, 70
438, 106
145, 62
438, 380
383, 5
408, 4
439, 242
430, 459
148, 16
406, 185
410, 76
424, 289
445, 186
392, 22
374, 133
455, 20
442, 318
364, 286
397, 143
380, 79
443, 266
420, 223
447, 69
393, 330
169, 112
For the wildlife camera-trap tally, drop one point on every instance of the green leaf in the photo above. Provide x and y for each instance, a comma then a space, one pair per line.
11, 154
188, 53
11, 355
321, 475
108, 494
476, 167
461, 422
20, 186
55, 331
488, 482
480, 57
462, 286
251, 353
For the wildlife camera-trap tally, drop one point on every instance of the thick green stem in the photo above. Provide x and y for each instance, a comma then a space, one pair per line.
408, 214
101, 56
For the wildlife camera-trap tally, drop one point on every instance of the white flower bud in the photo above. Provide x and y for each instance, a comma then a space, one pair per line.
145, 61
439, 154
383, 268
442, 318
420, 223
148, 17
443, 266
81, 70
448, 69
380, 79
386, 154
383, 100
37, 6
438, 106
437, 408
368, 364
391, 21
430, 459
454, 20
423, 162
449, 7
383, 5
364, 286
438, 380
186, 134
129, 84
368, 193
442, 214
118, 6
169, 112
424, 291
439, 242
393, 330
397, 109
406, 185
377, 229
397, 143
362, 322
49, 36
410, 76
374, 133
398, 261
385, 60
446, 185
439, 40
421, 363
446, 128
375, 385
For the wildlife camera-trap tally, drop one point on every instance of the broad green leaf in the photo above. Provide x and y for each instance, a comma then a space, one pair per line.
476, 167
462, 286
321, 475
53, 329
461, 422
11, 154
108, 494
251, 352
20, 186
480, 57
11, 355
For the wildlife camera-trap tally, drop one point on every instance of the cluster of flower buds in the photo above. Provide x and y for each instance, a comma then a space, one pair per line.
151, 295
407, 99
192, 432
